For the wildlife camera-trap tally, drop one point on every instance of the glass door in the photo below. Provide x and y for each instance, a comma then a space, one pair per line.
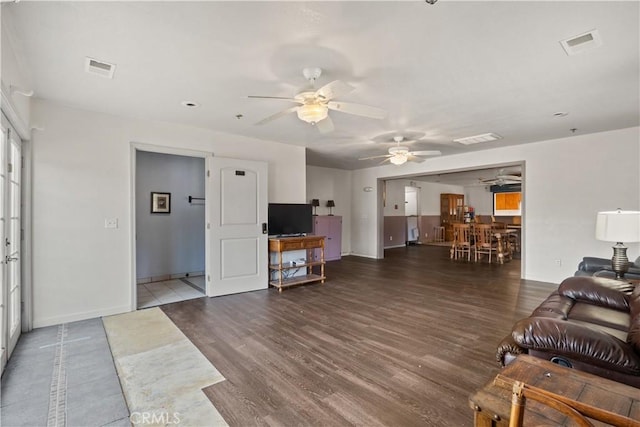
4, 288
12, 240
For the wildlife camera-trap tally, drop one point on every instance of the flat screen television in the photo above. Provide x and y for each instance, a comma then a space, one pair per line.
290, 219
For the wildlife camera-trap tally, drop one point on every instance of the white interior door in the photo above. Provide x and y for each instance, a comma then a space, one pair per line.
237, 218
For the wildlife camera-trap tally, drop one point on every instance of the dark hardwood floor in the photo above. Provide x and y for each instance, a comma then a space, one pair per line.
399, 342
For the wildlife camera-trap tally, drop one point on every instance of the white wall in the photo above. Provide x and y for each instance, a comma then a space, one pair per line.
567, 181
430, 196
395, 197
82, 175
171, 243
481, 198
332, 184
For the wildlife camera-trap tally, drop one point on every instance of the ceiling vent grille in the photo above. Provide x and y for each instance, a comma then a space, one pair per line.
99, 68
582, 42
485, 137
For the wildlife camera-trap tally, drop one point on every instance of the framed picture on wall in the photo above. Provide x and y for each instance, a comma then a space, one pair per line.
160, 202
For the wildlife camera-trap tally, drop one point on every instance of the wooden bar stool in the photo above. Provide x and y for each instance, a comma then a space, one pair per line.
438, 234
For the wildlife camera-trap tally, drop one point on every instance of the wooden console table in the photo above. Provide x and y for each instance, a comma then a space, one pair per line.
492, 403
284, 244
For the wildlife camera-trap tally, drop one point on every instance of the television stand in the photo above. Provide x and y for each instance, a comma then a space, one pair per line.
278, 245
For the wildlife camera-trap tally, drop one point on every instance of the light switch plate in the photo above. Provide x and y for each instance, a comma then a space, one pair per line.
111, 223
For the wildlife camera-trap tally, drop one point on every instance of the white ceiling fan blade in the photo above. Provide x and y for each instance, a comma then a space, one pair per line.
333, 89
426, 153
278, 115
278, 98
325, 125
416, 159
358, 109
377, 157
510, 177
385, 161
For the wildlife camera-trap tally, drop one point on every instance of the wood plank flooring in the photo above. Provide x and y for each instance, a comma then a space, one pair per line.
401, 341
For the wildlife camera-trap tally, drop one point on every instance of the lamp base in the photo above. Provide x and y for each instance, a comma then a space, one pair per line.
620, 262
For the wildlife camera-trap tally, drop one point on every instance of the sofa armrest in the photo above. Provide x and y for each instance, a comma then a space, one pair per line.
507, 350
598, 291
577, 342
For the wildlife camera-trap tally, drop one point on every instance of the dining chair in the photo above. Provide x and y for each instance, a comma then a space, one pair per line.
485, 243
462, 242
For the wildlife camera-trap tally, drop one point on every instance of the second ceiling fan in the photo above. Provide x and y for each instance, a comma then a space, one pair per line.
399, 154
315, 104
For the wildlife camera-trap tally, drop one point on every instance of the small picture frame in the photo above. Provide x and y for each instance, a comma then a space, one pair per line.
160, 203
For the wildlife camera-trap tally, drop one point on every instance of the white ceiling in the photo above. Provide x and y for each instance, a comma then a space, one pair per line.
448, 70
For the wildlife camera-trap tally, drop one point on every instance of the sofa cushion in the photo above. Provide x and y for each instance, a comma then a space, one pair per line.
555, 305
602, 316
597, 290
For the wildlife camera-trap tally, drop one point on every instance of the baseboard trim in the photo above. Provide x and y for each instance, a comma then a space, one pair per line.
363, 256
74, 317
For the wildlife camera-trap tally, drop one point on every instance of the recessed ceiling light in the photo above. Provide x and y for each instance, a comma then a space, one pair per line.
190, 104
485, 137
560, 114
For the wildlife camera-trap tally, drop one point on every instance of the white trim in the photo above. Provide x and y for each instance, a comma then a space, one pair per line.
363, 255
137, 146
27, 241
57, 320
12, 114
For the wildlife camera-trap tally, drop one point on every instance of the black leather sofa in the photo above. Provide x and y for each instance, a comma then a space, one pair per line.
601, 267
590, 323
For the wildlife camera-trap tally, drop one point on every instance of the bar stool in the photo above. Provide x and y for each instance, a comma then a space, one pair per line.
438, 234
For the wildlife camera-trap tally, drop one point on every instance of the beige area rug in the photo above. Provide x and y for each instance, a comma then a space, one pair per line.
162, 373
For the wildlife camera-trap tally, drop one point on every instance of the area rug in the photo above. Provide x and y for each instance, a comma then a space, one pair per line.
161, 372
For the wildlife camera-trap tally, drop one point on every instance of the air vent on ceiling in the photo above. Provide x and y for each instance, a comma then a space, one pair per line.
485, 137
582, 42
100, 68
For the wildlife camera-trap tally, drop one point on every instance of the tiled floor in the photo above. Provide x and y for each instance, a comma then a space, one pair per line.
158, 293
77, 357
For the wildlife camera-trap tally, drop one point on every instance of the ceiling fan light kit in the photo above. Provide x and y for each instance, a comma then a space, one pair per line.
312, 113
398, 159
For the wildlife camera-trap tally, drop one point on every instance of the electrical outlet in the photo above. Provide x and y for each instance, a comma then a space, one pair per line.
558, 262
390, 237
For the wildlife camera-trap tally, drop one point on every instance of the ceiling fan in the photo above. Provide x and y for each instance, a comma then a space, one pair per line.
501, 178
399, 154
315, 104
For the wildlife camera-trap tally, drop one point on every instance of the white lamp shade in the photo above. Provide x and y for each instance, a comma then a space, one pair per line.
618, 226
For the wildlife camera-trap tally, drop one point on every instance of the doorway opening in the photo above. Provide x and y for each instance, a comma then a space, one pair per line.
475, 190
170, 227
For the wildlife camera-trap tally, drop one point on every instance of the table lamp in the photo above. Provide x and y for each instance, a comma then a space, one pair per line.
618, 226
331, 204
315, 203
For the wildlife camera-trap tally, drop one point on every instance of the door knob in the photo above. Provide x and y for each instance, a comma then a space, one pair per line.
10, 258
